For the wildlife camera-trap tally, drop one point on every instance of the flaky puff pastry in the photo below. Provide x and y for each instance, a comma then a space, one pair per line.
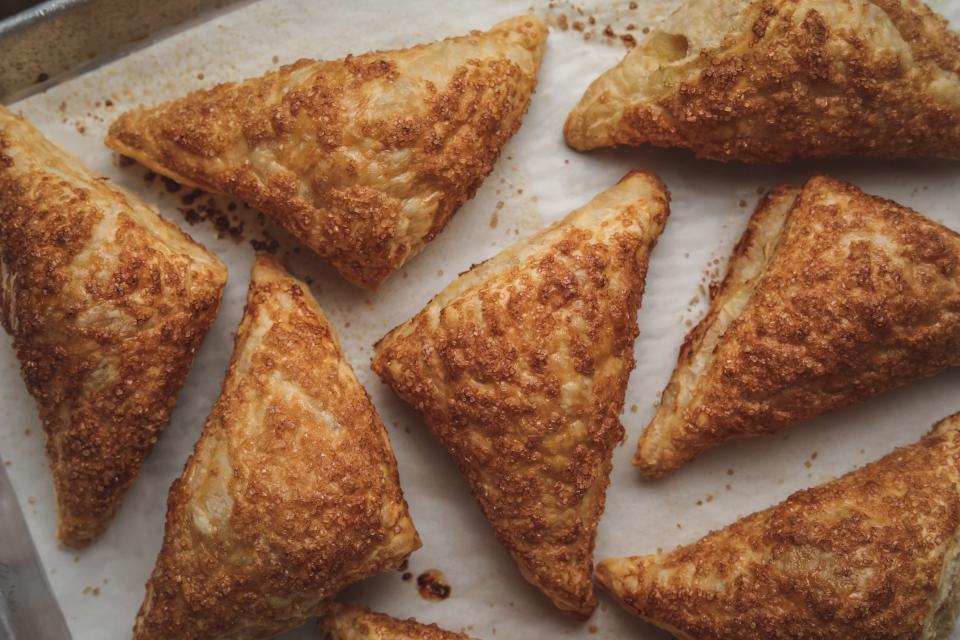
349, 622
292, 491
519, 367
107, 304
364, 159
766, 81
873, 555
832, 296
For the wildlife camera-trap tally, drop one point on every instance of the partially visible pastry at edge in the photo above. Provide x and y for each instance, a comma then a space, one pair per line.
832, 296
872, 555
292, 491
363, 159
350, 622
766, 81
519, 367
107, 304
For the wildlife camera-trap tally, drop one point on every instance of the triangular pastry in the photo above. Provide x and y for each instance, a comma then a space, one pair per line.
832, 296
872, 555
107, 304
350, 622
292, 490
519, 367
363, 159
774, 80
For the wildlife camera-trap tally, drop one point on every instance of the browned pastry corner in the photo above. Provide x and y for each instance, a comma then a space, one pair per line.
765, 81
349, 622
292, 490
832, 296
872, 555
519, 367
107, 304
364, 159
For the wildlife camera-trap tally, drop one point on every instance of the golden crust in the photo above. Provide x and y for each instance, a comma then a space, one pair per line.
107, 304
349, 622
363, 159
871, 555
774, 80
292, 491
832, 296
520, 367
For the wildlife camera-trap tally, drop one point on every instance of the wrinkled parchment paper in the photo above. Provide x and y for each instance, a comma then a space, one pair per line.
538, 180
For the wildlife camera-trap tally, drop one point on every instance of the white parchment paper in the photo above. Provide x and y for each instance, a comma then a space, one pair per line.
538, 180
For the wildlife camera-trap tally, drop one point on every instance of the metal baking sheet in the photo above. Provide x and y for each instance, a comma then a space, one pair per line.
537, 180
45, 43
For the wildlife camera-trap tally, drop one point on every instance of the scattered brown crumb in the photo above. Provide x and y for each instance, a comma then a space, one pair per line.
609, 32
592, 20
199, 76
407, 577
645, 30
43, 77
633, 408
32, 500
190, 197
742, 203
729, 472
91, 590
807, 464
268, 245
432, 585
714, 287
633, 5
593, 628
81, 129
628, 40
562, 23
578, 25
494, 219
108, 103
813, 456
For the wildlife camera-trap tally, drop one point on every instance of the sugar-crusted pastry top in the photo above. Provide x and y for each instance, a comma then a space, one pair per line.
292, 491
776, 80
831, 297
363, 159
349, 622
107, 304
519, 367
873, 554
